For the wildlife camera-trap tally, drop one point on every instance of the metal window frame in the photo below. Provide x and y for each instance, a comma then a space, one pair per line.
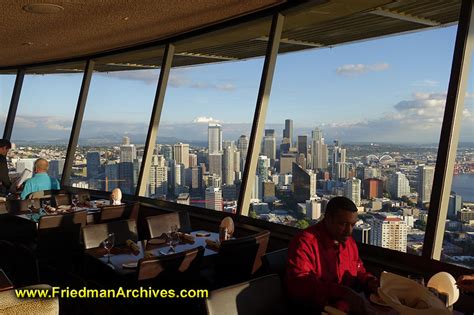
77, 123
450, 130
7, 132
258, 124
152, 134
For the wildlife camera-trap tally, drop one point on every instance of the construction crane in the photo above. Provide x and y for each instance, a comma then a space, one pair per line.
107, 180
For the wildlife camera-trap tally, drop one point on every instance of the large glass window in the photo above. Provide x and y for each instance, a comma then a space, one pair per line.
360, 120
7, 81
207, 118
44, 118
458, 243
115, 123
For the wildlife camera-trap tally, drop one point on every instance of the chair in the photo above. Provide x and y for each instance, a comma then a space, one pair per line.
173, 268
159, 224
43, 194
18, 206
275, 262
239, 259
116, 213
62, 200
94, 234
255, 297
12, 305
61, 220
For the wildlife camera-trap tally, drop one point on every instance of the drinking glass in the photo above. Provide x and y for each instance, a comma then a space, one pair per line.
74, 201
173, 239
108, 244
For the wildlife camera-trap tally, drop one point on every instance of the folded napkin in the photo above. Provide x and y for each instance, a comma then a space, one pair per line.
213, 244
409, 297
133, 247
186, 237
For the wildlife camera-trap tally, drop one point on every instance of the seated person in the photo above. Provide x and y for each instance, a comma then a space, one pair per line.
40, 180
5, 146
466, 283
324, 266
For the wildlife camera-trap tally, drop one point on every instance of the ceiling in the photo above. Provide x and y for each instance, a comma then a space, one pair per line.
309, 25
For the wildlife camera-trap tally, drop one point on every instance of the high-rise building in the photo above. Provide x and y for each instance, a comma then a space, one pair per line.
338, 156
263, 164
213, 198
167, 151
93, 165
228, 173
126, 175
352, 190
243, 146
372, 172
319, 153
361, 233
286, 162
313, 209
179, 178
455, 205
197, 180
304, 183
112, 176
215, 164
181, 153
425, 182
373, 188
269, 132
55, 169
269, 145
317, 134
128, 152
158, 183
125, 140
303, 145
237, 168
285, 146
389, 231
193, 160
214, 138
399, 185
288, 131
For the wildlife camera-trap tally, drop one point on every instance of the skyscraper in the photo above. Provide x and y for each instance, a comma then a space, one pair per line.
399, 185
228, 173
128, 152
425, 182
56, 168
158, 185
93, 169
455, 205
373, 188
243, 146
389, 231
288, 131
269, 144
213, 198
303, 145
214, 138
352, 190
319, 154
304, 183
181, 153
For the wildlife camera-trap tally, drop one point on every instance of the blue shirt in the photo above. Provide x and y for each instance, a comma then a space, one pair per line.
39, 182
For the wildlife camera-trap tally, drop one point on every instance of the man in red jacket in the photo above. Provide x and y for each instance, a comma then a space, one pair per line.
324, 265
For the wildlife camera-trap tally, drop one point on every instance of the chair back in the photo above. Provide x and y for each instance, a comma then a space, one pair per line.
159, 224
238, 259
18, 206
117, 213
275, 262
62, 200
259, 296
60, 220
173, 267
124, 230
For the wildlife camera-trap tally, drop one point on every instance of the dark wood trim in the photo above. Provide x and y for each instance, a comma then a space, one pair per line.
20, 75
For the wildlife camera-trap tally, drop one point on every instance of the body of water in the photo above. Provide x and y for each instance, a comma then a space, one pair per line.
463, 184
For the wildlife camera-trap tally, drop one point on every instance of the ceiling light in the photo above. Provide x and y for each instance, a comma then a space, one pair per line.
43, 8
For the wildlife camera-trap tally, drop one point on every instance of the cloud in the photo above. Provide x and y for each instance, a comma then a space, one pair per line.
205, 120
426, 83
149, 76
355, 69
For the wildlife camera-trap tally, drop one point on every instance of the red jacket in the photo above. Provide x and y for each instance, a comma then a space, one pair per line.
318, 266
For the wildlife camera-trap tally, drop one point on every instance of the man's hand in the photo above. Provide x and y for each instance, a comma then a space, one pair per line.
466, 283
357, 303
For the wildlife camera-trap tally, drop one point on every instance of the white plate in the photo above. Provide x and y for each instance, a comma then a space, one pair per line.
130, 265
374, 298
203, 234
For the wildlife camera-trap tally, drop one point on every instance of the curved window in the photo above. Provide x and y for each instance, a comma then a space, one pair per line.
7, 82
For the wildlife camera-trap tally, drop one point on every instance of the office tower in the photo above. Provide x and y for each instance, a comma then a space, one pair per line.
342, 170
399, 185
313, 209
229, 192
128, 152
193, 159
213, 198
303, 145
304, 183
257, 192
301, 160
228, 174
214, 138
243, 146
285, 146
319, 151
288, 131
181, 153
286, 163
269, 132
215, 164
268, 191
425, 182
55, 169
196, 180
361, 233
352, 190
93, 165
112, 177
372, 172
167, 151
269, 145
237, 168
158, 182
179, 179
389, 231
338, 156
125, 140
317, 134
455, 205
263, 164
373, 188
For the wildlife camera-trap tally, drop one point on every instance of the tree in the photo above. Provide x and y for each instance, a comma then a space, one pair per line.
302, 224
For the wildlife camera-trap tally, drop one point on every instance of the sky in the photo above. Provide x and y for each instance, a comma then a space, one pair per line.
385, 90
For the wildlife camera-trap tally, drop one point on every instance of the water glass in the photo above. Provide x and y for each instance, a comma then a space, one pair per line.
108, 244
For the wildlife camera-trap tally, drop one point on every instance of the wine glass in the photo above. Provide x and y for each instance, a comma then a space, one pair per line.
74, 201
172, 238
108, 244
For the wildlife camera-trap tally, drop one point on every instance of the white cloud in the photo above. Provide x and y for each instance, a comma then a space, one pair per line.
205, 120
149, 76
426, 83
354, 69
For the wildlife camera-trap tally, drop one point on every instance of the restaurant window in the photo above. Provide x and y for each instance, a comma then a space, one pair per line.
44, 117
116, 119
360, 120
207, 116
458, 243
7, 82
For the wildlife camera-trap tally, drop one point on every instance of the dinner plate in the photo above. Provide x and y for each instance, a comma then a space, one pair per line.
130, 265
203, 234
374, 298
